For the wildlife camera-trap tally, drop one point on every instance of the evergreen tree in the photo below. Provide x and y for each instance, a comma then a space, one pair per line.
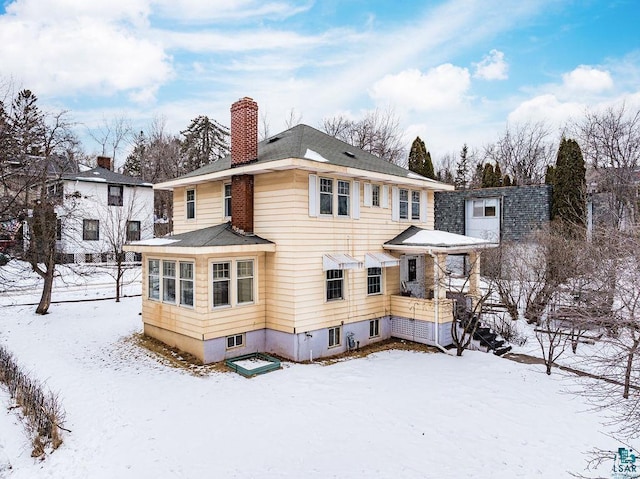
550, 175
462, 169
27, 124
205, 141
488, 177
506, 181
497, 173
569, 185
135, 160
420, 159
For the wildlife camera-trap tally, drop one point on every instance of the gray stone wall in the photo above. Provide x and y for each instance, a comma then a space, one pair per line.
523, 209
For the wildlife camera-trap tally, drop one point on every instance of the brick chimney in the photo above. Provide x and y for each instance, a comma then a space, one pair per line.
104, 162
244, 150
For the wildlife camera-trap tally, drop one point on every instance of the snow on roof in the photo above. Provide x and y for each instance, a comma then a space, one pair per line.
443, 238
155, 242
415, 175
312, 155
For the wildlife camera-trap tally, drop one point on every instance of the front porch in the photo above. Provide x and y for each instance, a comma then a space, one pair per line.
430, 293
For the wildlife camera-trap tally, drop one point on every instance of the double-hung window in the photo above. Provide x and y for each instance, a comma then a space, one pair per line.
404, 204
221, 275
245, 281
169, 281
335, 284
191, 204
326, 196
415, 205
375, 195
343, 198
114, 195
154, 279
90, 230
133, 231
186, 284
374, 280
227, 200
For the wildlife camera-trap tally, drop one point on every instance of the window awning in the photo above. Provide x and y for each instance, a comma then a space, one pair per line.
380, 260
340, 261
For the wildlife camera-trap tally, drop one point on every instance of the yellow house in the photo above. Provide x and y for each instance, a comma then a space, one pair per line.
301, 246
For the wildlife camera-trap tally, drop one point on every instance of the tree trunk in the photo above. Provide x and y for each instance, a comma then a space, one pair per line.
628, 369
45, 299
118, 281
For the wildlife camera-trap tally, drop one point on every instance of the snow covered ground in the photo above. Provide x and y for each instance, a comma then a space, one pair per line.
393, 414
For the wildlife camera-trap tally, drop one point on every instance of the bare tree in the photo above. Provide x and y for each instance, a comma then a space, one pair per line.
523, 152
293, 118
112, 135
610, 141
377, 133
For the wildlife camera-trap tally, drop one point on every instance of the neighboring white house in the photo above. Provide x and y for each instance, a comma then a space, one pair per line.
99, 211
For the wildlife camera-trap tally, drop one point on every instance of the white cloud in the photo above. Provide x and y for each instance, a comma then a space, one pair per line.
587, 79
546, 108
439, 88
95, 50
492, 67
199, 11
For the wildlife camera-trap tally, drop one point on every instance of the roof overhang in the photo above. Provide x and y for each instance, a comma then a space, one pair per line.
200, 250
437, 242
306, 164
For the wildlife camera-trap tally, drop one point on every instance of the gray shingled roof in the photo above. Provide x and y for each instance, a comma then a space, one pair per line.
107, 176
294, 143
219, 235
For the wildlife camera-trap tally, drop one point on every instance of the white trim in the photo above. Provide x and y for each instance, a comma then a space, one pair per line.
385, 196
423, 206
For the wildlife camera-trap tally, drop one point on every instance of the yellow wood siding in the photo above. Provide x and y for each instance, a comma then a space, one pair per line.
291, 294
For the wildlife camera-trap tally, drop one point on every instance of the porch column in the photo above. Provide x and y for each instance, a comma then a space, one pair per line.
429, 274
439, 272
474, 274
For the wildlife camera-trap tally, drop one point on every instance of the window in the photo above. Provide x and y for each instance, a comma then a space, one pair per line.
374, 280
227, 200
191, 204
245, 281
413, 268
55, 190
154, 279
221, 274
90, 230
375, 195
415, 205
58, 229
235, 341
334, 336
404, 204
114, 195
133, 231
485, 208
343, 198
186, 284
326, 196
169, 281
374, 328
334, 284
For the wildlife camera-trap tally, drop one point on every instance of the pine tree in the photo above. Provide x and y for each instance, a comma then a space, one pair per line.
497, 173
420, 159
205, 141
488, 180
569, 185
550, 175
135, 160
462, 169
506, 181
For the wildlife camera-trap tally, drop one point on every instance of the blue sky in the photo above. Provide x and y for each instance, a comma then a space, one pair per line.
452, 71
